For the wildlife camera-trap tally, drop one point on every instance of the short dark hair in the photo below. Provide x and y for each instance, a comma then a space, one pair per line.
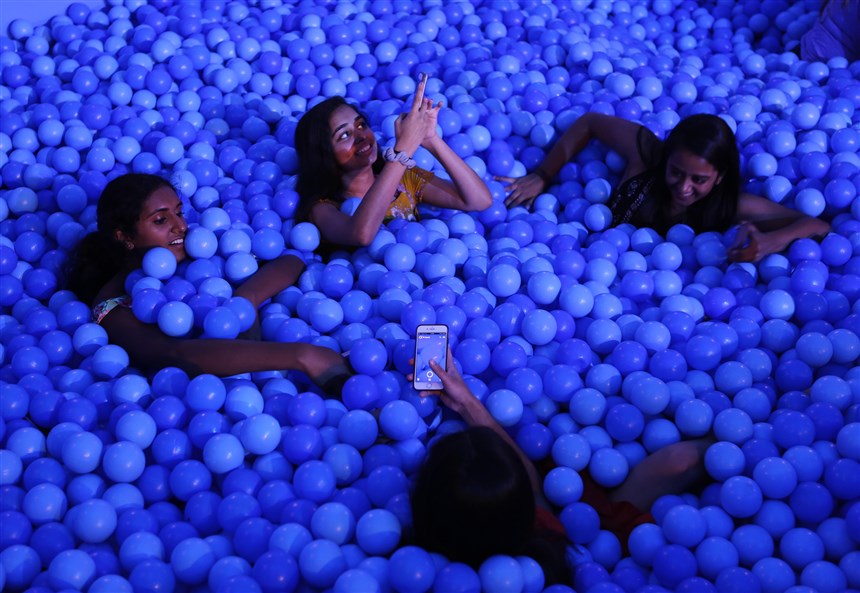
319, 176
473, 498
709, 137
100, 255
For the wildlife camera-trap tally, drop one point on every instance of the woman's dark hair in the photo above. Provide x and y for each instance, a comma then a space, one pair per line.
100, 255
473, 499
319, 176
709, 137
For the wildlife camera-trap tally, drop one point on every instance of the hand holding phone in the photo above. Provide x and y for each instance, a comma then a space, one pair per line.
431, 343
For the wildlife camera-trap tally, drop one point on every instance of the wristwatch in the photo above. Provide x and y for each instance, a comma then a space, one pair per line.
398, 156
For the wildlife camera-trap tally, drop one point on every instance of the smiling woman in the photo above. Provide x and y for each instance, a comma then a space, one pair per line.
161, 224
138, 212
692, 178
339, 158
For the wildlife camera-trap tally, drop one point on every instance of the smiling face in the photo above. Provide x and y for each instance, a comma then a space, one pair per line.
352, 140
689, 178
161, 224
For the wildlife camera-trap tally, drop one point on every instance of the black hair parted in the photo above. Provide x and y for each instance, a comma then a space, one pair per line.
101, 255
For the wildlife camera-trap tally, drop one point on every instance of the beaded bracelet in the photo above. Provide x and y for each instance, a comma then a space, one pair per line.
398, 156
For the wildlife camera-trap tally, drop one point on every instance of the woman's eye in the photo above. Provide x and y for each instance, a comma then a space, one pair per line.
160, 220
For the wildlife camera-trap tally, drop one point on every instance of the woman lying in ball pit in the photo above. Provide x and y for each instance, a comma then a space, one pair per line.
137, 212
478, 495
339, 157
692, 178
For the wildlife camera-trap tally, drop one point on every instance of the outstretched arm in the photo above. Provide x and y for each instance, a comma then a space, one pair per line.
149, 348
457, 396
673, 469
617, 133
768, 227
271, 279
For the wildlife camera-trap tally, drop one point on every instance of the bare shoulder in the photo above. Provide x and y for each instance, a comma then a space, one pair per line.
322, 210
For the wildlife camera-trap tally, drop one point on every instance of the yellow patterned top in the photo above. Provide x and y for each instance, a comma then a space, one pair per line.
407, 196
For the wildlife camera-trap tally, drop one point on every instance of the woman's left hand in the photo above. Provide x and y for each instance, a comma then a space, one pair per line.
430, 117
751, 245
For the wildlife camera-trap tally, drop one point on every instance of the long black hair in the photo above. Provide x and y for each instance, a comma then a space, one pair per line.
319, 176
101, 255
473, 499
709, 137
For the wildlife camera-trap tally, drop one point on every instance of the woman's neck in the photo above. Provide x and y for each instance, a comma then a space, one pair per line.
357, 183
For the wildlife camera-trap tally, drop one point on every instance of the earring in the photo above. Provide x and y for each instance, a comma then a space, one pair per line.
128, 245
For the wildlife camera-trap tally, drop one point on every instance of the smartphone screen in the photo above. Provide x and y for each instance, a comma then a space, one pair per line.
431, 343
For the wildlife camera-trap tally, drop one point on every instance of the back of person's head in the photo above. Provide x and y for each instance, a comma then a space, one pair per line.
708, 137
473, 498
101, 254
319, 175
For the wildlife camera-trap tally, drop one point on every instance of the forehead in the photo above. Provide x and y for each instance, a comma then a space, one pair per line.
343, 114
690, 163
163, 197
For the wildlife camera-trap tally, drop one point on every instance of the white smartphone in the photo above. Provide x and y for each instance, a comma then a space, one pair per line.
431, 343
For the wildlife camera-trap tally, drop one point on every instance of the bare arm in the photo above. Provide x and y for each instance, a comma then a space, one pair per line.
149, 348
457, 396
466, 191
362, 226
271, 279
768, 227
617, 133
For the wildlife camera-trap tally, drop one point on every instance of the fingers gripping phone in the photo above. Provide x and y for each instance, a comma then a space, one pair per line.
431, 343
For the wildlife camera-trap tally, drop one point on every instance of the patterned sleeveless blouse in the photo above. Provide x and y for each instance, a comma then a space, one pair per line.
626, 202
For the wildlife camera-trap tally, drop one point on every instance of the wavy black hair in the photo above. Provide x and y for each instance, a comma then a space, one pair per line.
709, 137
100, 255
319, 176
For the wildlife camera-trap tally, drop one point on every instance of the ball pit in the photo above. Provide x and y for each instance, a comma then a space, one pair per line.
591, 345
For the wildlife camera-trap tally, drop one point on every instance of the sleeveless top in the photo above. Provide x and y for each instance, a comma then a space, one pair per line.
100, 310
628, 198
408, 194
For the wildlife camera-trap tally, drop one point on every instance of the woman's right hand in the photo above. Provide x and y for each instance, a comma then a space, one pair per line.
454, 394
523, 190
412, 127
